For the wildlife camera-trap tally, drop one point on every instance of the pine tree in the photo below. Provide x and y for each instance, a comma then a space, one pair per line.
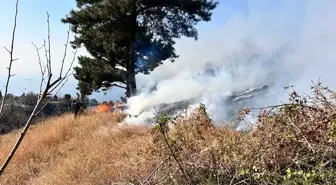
126, 37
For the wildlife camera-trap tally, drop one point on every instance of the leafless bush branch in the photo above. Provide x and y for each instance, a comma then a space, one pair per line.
52, 86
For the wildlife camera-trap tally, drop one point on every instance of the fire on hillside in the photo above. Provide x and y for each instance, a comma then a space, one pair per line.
110, 107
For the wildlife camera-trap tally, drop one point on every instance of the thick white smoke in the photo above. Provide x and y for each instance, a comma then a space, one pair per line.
294, 44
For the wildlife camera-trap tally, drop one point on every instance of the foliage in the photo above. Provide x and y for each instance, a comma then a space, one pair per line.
29, 99
126, 37
67, 97
18, 109
55, 98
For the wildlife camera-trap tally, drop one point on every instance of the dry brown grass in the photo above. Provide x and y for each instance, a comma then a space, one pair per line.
296, 145
64, 151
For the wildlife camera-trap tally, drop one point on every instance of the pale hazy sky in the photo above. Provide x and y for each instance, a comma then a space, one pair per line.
308, 25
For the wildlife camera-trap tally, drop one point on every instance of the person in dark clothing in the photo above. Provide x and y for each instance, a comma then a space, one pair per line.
77, 108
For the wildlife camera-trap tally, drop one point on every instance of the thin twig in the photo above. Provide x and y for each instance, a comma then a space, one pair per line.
67, 74
299, 130
65, 49
157, 167
172, 152
46, 54
116, 85
38, 112
43, 70
72, 62
240, 182
49, 42
233, 178
11, 59
286, 104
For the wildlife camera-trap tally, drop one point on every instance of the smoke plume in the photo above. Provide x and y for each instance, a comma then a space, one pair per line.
275, 44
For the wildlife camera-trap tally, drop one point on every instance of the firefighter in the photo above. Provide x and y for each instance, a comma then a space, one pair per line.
77, 108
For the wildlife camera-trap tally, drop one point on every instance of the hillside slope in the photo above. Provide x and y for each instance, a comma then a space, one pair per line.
90, 150
297, 144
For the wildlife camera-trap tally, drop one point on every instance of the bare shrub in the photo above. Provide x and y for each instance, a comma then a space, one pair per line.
293, 143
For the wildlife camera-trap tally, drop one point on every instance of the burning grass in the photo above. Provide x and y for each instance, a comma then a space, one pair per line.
292, 144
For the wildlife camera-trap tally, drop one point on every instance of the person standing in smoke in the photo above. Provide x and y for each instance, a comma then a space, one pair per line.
76, 108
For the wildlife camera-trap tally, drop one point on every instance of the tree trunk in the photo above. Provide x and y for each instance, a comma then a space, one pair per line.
132, 80
131, 83
128, 88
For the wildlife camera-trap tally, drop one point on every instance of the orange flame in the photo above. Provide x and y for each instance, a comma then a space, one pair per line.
103, 108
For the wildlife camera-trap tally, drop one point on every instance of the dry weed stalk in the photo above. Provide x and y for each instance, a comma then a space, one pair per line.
51, 86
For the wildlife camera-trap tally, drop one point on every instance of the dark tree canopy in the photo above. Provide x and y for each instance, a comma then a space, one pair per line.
67, 97
126, 37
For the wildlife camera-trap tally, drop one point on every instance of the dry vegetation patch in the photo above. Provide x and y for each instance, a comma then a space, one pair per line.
291, 144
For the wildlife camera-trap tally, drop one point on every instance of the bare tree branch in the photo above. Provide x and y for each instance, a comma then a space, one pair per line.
116, 85
49, 49
49, 88
65, 49
38, 112
11, 60
43, 69
72, 62
46, 56
67, 74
